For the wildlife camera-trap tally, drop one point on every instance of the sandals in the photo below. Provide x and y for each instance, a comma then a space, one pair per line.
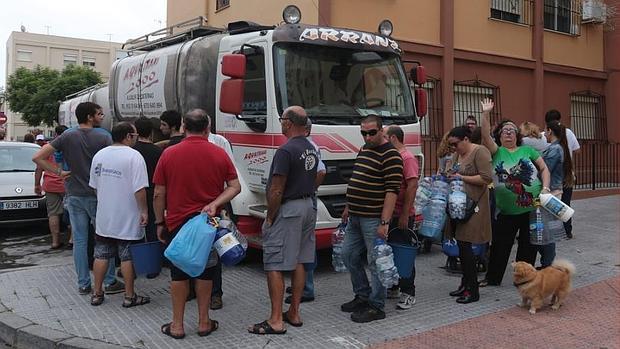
97, 299
165, 329
286, 319
264, 328
214, 326
135, 301
57, 247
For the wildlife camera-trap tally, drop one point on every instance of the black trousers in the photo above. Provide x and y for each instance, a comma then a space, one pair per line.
468, 265
505, 229
567, 194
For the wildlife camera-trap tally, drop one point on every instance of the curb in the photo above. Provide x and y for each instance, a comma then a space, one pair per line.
19, 332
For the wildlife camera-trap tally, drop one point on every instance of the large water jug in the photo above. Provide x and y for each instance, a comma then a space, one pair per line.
554, 205
228, 247
457, 200
337, 243
384, 263
537, 229
435, 212
423, 194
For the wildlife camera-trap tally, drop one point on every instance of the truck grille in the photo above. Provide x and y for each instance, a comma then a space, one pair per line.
334, 204
338, 171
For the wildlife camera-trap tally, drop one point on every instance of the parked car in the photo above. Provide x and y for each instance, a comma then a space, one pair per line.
19, 205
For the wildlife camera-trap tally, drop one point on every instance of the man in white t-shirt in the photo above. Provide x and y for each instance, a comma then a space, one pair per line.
118, 174
574, 148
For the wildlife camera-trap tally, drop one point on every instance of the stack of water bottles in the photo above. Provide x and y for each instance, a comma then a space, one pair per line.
537, 229
384, 263
457, 200
423, 194
435, 212
337, 243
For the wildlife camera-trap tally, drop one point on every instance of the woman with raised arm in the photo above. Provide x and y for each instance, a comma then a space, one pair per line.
515, 175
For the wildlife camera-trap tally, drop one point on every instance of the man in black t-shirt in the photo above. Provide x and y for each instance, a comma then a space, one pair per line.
288, 231
171, 121
151, 153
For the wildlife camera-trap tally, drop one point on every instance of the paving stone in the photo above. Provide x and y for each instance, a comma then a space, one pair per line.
85, 343
37, 336
48, 296
9, 325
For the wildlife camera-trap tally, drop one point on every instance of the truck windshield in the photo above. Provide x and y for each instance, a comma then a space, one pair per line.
341, 86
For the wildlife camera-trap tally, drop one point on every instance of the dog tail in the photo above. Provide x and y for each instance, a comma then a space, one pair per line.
565, 265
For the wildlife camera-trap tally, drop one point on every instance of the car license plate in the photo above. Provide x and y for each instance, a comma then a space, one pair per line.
18, 205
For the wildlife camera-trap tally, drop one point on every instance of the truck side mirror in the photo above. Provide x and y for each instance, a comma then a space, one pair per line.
421, 102
233, 65
232, 90
418, 74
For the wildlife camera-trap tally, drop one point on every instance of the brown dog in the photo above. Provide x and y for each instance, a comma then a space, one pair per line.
536, 285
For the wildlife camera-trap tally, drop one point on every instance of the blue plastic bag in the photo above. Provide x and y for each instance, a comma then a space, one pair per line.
190, 248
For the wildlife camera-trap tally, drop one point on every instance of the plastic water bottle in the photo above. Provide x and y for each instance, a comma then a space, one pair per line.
554, 205
457, 200
435, 212
384, 263
337, 243
423, 194
537, 228
228, 247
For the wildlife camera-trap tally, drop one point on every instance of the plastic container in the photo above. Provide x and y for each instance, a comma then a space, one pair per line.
423, 194
556, 207
404, 258
457, 200
435, 213
384, 263
228, 247
146, 257
337, 243
537, 229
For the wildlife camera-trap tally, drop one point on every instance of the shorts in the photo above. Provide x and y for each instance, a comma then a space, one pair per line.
290, 240
107, 248
54, 204
177, 274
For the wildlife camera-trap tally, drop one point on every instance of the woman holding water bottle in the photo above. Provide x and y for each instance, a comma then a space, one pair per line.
474, 169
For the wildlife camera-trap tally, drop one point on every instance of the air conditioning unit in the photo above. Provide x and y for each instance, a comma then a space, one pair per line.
593, 11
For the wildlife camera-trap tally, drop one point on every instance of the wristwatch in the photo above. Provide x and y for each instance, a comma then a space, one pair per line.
385, 222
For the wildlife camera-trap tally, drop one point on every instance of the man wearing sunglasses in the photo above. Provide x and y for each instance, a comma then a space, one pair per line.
371, 196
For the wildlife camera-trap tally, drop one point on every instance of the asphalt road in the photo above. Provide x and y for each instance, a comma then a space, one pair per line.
29, 246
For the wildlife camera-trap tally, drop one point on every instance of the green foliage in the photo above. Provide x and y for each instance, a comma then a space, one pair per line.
36, 94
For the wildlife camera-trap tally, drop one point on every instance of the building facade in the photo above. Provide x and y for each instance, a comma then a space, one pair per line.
30, 49
530, 56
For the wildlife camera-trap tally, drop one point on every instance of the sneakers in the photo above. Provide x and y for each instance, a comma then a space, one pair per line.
216, 302
368, 314
355, 305
405, 302
393, 293
85, 290
113, 288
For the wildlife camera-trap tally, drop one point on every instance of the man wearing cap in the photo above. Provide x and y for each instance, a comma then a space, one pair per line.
40, 140
288, 231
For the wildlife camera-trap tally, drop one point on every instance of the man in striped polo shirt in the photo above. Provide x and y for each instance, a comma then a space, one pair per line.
371, 195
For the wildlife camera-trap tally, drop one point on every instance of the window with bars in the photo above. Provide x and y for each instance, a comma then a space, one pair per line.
69, 59
563, 16
221, 4
587, 112
467, 97
517, 11
89, 62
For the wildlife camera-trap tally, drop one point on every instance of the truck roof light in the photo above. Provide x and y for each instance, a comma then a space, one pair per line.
386, 27
291, 14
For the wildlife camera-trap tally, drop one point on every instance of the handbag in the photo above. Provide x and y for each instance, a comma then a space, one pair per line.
191, 247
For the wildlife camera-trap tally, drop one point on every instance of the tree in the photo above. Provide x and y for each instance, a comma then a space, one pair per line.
36, 94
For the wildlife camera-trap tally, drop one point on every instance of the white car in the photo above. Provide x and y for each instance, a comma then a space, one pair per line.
18, 202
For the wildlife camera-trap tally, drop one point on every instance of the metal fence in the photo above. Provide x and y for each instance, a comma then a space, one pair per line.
597, 165
467, 97
431, 127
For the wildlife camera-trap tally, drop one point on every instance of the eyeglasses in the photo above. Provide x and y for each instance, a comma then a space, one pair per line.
509, 131
370, 133
281, 119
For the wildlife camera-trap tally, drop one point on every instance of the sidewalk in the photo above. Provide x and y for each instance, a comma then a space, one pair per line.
40, 306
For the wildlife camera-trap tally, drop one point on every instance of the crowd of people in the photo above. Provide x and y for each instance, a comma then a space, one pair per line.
144, 191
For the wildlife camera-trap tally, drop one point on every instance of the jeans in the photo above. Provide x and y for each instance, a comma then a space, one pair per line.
567, 194
309, 284
359, 241
82, 212
547, 254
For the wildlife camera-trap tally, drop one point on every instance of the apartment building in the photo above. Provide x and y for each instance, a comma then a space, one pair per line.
528, 55
31, 49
